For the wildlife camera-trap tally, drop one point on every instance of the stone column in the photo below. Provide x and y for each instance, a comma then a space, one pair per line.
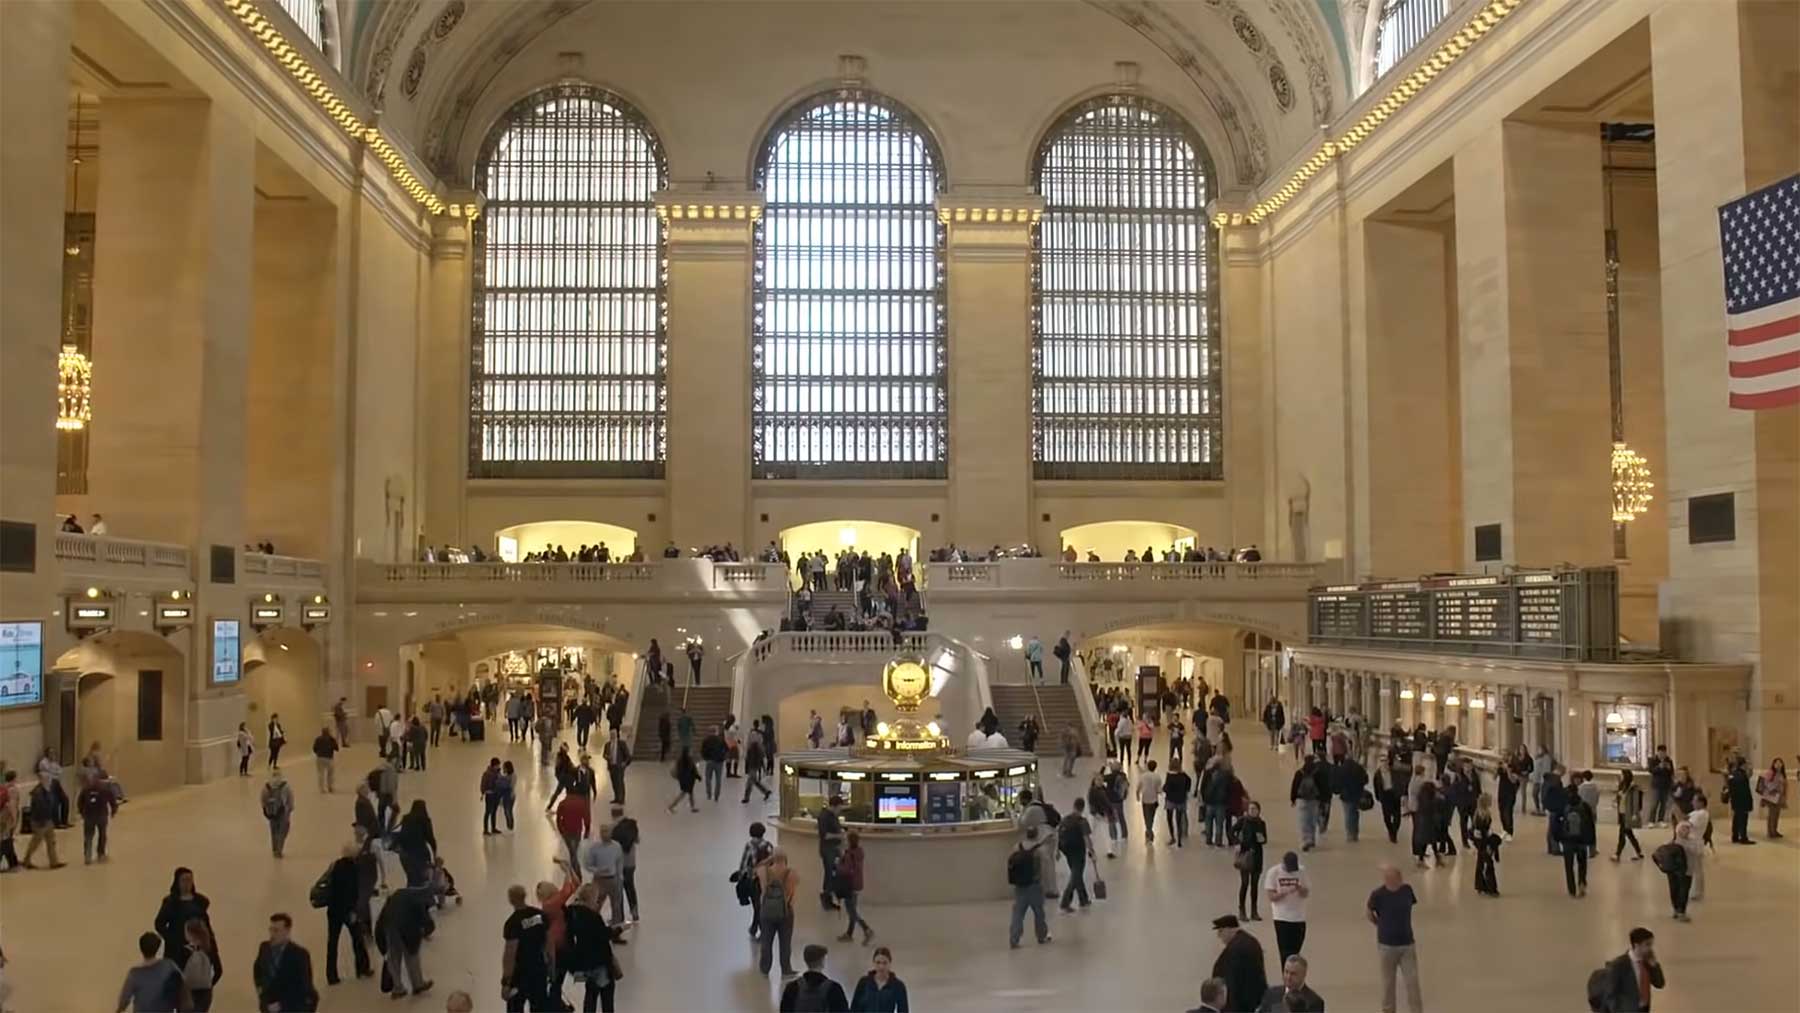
989, 263
709, 363
1244, 337
445, 364
1536, 419
34, 105
172, 315
1728, 122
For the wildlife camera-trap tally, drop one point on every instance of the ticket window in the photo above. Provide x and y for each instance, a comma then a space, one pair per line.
1625, 735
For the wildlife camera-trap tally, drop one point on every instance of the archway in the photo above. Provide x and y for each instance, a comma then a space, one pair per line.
446, 664
833, 537
1247, 665
284, 674
520, 540
129, 699
1111, 540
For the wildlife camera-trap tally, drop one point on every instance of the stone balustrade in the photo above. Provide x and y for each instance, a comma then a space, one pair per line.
655, 578
87, 553
1051, 574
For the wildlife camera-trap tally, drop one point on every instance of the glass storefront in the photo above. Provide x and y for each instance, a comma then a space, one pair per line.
1625, 734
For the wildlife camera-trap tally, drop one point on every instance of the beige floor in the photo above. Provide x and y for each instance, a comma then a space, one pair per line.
69, 935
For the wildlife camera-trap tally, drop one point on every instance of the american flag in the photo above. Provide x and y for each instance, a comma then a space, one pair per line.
1760, 235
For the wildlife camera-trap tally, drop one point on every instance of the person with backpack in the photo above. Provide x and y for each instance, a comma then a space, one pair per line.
325, 749
1574, 829
813, 990
1305, 797
1024, 873
850, 885
278, 809
1063, 652
1075, 839
154, 985
588, 953
776, 884
1678, 860
96, 806
341, 894
199, 973
1625, 983
756, 851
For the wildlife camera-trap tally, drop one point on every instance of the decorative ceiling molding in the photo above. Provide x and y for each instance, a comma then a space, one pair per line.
1249, 142
1302, 30
434, 33
392, 20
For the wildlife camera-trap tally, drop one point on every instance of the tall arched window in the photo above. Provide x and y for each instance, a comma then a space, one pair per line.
1125, 342
1405, 24
309, 16
848, 360
571, 291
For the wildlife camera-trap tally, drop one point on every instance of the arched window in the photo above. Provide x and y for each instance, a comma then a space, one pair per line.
1405, 24
1125, 320
571, 291
848, 360
309, 16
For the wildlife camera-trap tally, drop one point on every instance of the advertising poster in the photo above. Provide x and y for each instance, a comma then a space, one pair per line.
21, 664
226, 665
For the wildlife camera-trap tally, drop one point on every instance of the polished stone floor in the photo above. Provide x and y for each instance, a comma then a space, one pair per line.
69, 935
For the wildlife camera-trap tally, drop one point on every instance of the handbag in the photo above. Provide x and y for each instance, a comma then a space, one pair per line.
1243, 861
1366, 800
1099, 888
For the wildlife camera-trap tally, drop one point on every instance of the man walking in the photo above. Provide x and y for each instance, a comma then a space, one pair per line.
1239, 965
831, 843
754, 760
1292, 995
340, 716
618, 756
325, 749
1034, 657
1071, 748
1064, 651
283, 971
1624, 986
1075, 838
1390, 911
712, 751
1024, 871
1149, 791
1662, 785
278, 809
434, 711
813, 989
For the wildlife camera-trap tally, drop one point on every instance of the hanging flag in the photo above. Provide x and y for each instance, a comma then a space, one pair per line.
1760, 236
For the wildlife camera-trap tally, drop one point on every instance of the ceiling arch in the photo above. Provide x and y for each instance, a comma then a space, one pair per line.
1267, 72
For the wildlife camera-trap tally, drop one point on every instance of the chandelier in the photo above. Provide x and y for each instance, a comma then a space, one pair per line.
74, 387
1631, 483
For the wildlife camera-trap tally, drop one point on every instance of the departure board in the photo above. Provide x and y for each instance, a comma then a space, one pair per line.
1570, 613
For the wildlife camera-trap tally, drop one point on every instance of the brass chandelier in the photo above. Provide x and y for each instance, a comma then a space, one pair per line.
1631, 483
74, 371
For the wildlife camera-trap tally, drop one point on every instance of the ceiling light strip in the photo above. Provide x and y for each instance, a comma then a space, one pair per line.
300, 69
1402, 92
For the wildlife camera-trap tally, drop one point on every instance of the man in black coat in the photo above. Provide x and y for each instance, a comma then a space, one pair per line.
1632, 976
1240, 965
1737, 792
283, 971
342, 893
1292, 995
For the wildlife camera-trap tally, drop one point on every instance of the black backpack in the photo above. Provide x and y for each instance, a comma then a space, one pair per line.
320, 894
812, 995
774, 908
1670, 858
1574, 823
1051, 816
1021, 867
1599, 990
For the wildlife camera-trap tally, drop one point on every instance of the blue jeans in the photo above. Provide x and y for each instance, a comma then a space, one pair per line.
1308, 812
715, 779
1215, 825
1028, 898
1352, 819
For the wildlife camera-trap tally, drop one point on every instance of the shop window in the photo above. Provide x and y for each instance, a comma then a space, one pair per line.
1625, 734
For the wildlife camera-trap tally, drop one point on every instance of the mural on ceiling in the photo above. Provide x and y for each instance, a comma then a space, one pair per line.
439, 30
1249, 142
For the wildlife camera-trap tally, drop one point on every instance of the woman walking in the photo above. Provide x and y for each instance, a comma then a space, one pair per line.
1425, 822
1287, 886
200, 973
1252, 835
277, 739
490, 798
1629, 800
849, 886
507, 784
246, 744
183, 904
881, 990
1487, 848
416, 844
1772, 792
777, 884
687, 774
1145, 732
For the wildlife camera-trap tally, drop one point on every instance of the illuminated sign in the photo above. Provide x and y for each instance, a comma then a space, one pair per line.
896, 777
266, 615
315, 614
90, 617
1015, 770
21, 663
174, 615
851, 775
1471, 582
944, 776
985, 774
227, 662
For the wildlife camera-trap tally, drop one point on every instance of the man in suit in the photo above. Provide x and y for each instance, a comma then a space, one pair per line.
1292, 995
1632, 976
283, 971
1240, 964
1212, 997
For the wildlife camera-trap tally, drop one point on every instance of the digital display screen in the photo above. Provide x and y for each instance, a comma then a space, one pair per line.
21, 664
899, 803
227, 662
943, 802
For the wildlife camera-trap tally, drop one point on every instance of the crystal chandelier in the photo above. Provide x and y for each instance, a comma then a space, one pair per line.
74, 386
1631, 483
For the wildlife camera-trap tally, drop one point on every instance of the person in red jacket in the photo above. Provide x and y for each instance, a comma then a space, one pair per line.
850, 884
573, 815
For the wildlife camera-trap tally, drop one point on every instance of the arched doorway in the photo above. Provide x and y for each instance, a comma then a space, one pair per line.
284, 674
520, 540
833, 537
128, 698
1111, 540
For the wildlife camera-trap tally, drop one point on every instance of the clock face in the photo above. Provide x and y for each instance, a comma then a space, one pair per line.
908, 680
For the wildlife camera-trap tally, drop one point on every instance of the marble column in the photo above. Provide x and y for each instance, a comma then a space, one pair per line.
445, 392
1536, 419
34, 105
989, 263
1728, 122
172, 325
708, 474
1244, 336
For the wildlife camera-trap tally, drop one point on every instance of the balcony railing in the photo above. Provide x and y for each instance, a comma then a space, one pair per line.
1041, 574
102, 550
299, 568
655, 577
840, 643
518, 573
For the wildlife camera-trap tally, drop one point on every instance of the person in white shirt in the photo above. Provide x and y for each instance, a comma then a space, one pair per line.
1287, 887
397, 740
384, 720
996, 741
1149, 792
977, 738
97, 526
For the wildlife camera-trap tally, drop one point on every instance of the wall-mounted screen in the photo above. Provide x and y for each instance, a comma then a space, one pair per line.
897, 802
21, 663
227, 660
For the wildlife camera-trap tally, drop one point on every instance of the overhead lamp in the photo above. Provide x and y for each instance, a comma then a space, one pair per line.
1015, 642
1613, 717
1429, 697
92, 592
1453, 700
1477, 703
1631, 484
1406, 693
74, 389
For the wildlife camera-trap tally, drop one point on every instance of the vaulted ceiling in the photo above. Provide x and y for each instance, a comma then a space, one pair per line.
1269, 71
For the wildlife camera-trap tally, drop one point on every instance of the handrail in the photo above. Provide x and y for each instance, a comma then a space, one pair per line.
1092, 724
1046, 573
105, 549
634, 705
